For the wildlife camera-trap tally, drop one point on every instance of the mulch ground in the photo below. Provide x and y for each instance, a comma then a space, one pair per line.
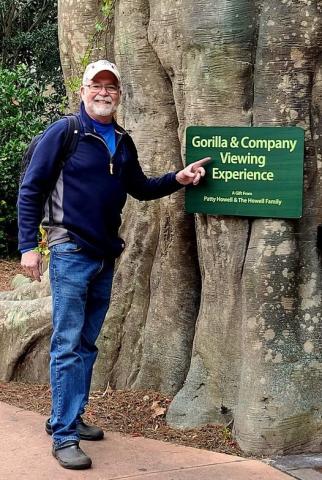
136, 413
8, 269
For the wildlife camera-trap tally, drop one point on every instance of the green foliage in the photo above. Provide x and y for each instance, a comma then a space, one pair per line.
31, 93
26, 107
74, 84
107, 10
103, 23
99, 27
107, 7
29, 34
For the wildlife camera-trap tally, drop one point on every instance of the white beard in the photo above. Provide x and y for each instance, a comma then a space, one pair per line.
104, 109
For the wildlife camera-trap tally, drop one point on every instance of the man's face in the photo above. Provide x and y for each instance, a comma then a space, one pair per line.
101, 96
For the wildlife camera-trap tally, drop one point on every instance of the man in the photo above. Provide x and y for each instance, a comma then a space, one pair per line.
86, 203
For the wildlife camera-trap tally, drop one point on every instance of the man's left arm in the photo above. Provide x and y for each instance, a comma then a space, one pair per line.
142, 187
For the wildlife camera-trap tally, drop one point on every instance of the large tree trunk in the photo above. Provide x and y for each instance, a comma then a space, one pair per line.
156, 287
279, 404
225, 313
80, 42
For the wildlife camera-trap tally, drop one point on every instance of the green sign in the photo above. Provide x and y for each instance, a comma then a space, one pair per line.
254, 171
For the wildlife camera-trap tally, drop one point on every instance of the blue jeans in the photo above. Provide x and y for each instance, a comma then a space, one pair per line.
81, 289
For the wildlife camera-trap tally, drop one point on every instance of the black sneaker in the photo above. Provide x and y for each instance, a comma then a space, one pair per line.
85, 432
69, 455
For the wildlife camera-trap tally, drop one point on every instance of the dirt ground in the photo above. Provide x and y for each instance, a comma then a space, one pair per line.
8, 269
136, 413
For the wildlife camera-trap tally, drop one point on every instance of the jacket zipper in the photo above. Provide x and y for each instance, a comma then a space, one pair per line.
111, 166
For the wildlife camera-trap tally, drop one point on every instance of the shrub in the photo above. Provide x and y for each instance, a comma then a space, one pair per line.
29, 34
26, 107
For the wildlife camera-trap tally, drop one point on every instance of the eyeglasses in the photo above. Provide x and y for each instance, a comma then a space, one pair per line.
97, 87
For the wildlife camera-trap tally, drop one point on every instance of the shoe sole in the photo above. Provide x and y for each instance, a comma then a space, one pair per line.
82, 437
72, 467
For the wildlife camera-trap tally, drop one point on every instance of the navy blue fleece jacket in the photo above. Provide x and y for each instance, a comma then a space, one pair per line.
92, 188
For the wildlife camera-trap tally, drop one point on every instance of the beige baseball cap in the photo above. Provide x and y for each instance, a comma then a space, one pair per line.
94, 68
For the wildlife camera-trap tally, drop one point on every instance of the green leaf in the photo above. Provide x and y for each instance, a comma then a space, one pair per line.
99, 27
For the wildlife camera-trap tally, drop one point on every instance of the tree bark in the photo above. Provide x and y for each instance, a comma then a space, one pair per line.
279, 402
25, 327
222, 312
80, 42
159, 273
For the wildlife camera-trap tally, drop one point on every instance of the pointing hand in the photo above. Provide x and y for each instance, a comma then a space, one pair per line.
193, 172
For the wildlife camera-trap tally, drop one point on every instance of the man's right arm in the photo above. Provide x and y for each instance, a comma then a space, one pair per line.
31, 262
37, 182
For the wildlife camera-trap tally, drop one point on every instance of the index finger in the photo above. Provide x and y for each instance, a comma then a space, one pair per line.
36, 274
201, 162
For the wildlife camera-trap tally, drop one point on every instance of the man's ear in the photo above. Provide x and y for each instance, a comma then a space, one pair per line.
81, 91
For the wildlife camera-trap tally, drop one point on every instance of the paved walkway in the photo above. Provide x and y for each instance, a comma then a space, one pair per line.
303, 467
25, 454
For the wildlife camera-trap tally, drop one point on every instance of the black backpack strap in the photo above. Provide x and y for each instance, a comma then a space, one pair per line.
68, 148
71, 138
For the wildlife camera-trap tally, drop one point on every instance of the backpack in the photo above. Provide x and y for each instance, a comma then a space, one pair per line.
69, 146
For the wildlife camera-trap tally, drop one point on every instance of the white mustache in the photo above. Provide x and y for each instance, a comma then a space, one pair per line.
103, 99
